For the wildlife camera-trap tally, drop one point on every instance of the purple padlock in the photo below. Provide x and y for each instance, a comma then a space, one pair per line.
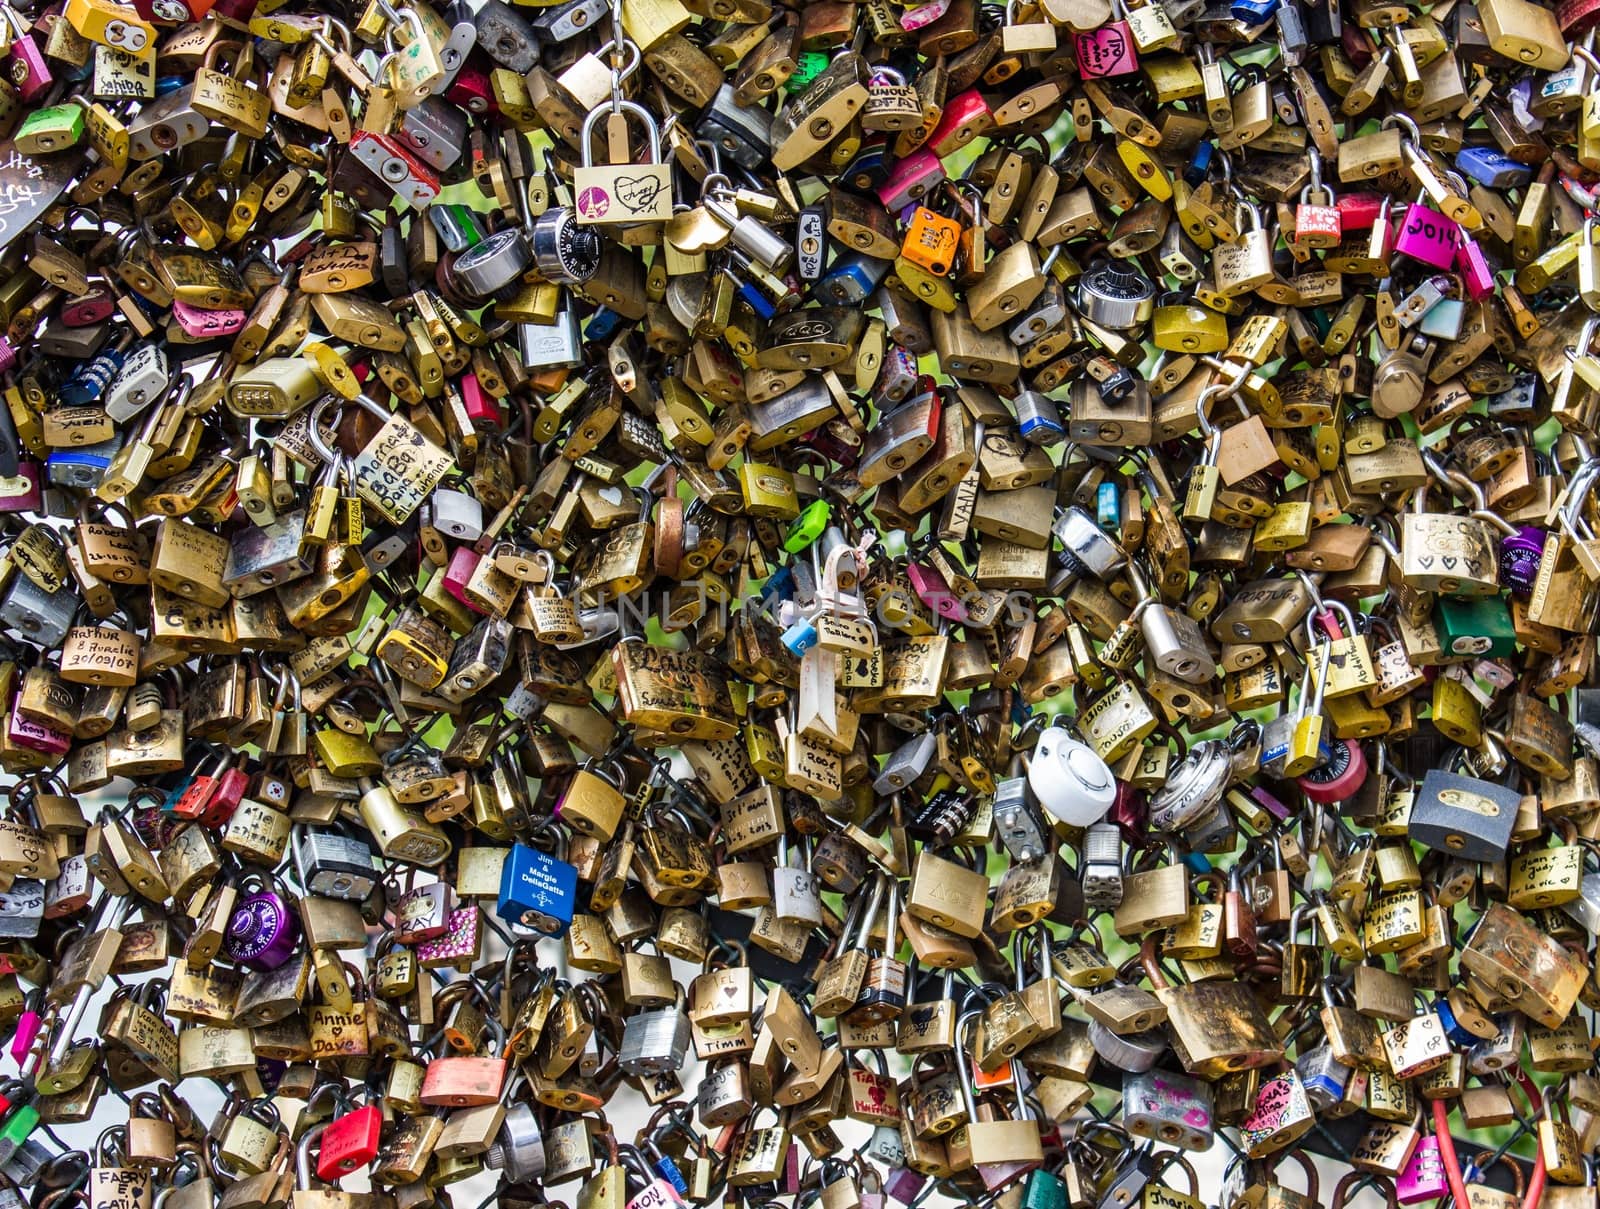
1428, 236
903, 1184
262, 931
1520, 555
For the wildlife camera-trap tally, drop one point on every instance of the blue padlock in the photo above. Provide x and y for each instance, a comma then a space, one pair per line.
603, 324
1108, 505
801, 636
1491, 167
537, 891
1253, 12
81, 468
851, 279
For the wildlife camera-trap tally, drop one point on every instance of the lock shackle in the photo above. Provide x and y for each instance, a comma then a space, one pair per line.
632, 108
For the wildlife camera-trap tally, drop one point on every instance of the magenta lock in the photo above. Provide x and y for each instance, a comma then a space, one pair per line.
903, 1184
913, 176
966, 116
262, 930
934, 591
28, 1026
1107, 51
90, 308
463, 562
481, 406
472, 91
460, 941
1428, 236
1423, 1178
24, 732
20, 492
26, 66
1477, 276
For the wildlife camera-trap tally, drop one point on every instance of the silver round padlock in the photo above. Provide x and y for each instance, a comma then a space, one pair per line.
1193, 787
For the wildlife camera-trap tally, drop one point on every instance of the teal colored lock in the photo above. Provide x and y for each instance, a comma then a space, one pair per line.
1044, 1190
807, 527
1477, 626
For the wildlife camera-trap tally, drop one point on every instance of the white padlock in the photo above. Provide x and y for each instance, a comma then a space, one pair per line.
1070, 781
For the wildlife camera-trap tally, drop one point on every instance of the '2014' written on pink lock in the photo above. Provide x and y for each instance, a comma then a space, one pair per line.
1428, 236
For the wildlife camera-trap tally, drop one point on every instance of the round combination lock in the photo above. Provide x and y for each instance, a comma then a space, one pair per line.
563, 251
491, 265
1193, 787
1116, 297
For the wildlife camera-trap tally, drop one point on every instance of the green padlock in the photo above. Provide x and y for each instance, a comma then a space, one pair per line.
807, 527
54, 128
1477, 626
808, 67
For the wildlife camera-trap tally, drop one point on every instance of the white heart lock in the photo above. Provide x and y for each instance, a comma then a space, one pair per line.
1070, 781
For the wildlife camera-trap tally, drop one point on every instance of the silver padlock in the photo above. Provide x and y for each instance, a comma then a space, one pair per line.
22, 909
654, 1041
457, 515
436, 130
1085, 547
568, 20
261, 557
332, 864
741, 133
557, 345
1021, 830
42, 617
1173, 640
1193, 787
1102, 866
142, 380
1168, 1107
906, 763
507, 37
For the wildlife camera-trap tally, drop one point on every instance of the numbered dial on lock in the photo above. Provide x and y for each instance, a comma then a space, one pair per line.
1070, 781
1193, 787
1115, 297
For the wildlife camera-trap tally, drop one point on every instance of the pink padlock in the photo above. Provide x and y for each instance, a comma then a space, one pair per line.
1107, 51
1428, 236
460, 942
914, 19
28, 1026
1423, 1178
1477, 276
90, 308
933, 590
912, 177
206, 325
965, 117
463, 562
903, 1184
26, 733
481, 406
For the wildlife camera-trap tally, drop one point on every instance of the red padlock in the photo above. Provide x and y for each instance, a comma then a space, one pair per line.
349, 1142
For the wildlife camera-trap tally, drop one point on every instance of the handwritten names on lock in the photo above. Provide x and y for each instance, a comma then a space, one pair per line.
398, 469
